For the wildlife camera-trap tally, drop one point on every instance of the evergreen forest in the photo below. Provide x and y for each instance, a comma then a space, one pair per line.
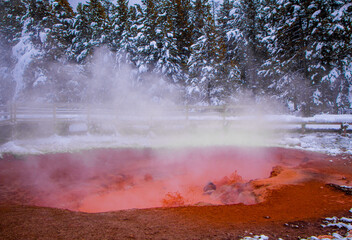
294, 52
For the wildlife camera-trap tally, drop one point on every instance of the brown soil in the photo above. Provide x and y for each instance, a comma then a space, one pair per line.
293, 203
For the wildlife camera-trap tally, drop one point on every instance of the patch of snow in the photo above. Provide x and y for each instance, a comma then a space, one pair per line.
78, 127
340, 223
153, 44
256, 237
316, 97
316, 13
332, 76
335, 222
344, 219
57, 143
332, 118
143, 68
40, 80
14, 147
24, 52
340, 12
43, 37
338, 26
329, 143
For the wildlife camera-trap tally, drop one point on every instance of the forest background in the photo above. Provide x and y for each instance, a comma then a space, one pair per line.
297, 53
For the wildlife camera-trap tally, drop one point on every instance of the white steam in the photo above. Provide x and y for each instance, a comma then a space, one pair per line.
114, 102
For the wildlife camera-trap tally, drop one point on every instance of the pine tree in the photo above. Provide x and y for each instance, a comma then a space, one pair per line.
200, 12
204, 63
306, 50
30, 71
109, 10
127, 50
11, 13
246, 49
227, 70
98, 20
80, 32
330, 53
183, 31
61, 39
89, 31
169, 63
119, 21
148, 37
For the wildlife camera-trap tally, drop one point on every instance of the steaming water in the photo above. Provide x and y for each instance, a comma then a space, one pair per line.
181, 160
106, 180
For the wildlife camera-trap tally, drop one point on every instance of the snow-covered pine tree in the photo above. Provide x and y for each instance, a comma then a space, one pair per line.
246, 49
228, 71
330, 55
98, 20
169, 63
118, 20
66, 80
147, 38
204, 63
183, 31
287, 85
80, 31
32, 61
11, 12
109, 9
127, 53
200, 11
90, 27
305, 54
61, 39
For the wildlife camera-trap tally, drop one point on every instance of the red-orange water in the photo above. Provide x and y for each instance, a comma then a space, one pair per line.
106, 180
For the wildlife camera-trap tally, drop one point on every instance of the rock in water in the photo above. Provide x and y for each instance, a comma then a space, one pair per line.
209, 188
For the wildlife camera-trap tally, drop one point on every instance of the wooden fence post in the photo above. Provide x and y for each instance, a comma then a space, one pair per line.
224, 116
151, 120
13, 120
10, 107
13, 112
88, 113
54, 118
344, 127
89, 122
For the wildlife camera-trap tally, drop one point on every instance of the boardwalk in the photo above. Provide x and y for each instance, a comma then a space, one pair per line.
63, 117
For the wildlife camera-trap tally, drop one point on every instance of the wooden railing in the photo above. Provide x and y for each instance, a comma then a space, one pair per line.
226, 115
15, 112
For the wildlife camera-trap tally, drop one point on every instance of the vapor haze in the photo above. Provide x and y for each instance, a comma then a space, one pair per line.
186, 149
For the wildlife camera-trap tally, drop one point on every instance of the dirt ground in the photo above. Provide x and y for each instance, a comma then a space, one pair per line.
292, 203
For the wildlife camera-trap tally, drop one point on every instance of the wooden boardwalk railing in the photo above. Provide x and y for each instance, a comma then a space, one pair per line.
225, 115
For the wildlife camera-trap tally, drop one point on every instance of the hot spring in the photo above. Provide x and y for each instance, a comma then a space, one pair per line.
114, 179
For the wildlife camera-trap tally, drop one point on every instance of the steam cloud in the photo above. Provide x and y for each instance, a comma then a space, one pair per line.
118, 103
106, 180
153, 109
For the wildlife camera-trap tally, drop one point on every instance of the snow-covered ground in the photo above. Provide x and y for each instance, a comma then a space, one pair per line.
72, 143
199, 130
330, 143
343, 222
